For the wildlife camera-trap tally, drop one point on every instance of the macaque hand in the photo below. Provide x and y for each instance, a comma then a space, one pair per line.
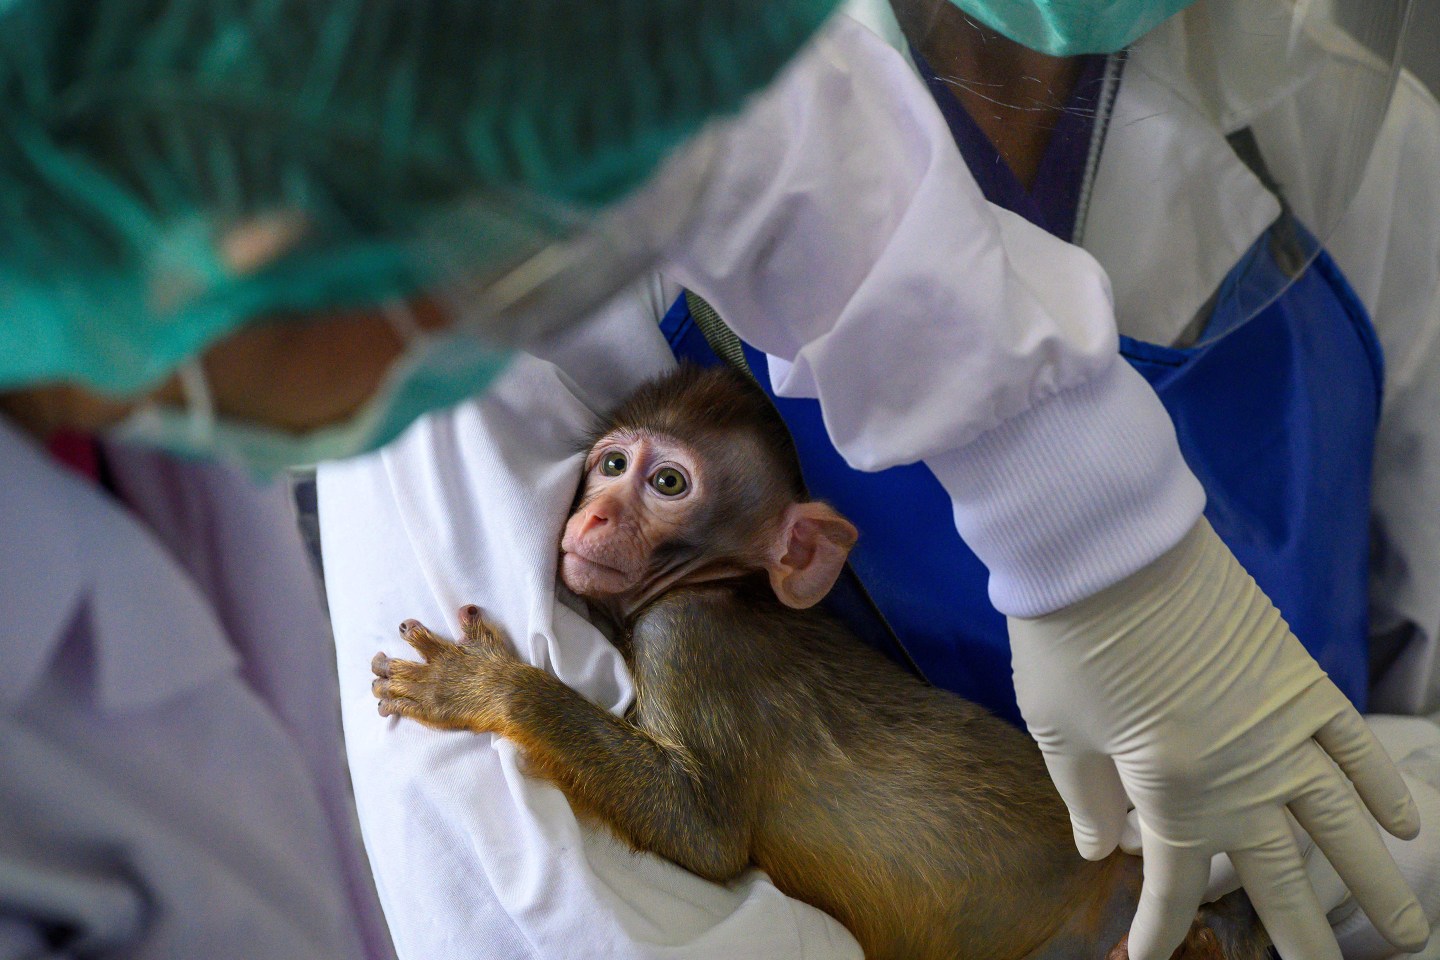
459, 686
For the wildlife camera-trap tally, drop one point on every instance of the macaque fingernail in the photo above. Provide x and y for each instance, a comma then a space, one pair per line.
470, 612
407, 626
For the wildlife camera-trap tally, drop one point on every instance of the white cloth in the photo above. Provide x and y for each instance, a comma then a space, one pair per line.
467, 508
472, 856
171, 777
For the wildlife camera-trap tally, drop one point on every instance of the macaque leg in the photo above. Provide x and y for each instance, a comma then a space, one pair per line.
1227, 929
653, 794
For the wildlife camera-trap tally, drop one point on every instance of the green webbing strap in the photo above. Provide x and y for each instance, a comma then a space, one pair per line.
717, 333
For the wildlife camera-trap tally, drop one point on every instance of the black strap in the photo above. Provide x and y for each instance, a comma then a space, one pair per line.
1285, 243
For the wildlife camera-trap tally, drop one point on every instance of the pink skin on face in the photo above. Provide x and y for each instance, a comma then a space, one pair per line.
591, 579
638, 491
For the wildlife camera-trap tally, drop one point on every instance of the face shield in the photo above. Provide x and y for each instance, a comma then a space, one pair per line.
171, 170
1292, 92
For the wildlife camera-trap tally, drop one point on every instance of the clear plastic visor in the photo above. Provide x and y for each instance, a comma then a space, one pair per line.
1295, 90
1329, 69
548, 265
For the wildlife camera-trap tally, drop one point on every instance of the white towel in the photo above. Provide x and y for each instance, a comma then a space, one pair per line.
473, 858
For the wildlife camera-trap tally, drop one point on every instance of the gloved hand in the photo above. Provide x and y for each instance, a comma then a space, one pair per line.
1182, 688
1418, 858
1330, 891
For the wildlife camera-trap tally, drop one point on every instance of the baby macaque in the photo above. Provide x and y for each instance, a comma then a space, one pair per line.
763, 732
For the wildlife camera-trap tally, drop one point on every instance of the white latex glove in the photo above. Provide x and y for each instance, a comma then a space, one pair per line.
1182, 688
1414, 744
1330, 891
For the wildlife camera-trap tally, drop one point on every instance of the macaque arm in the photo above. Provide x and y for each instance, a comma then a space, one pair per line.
653, 793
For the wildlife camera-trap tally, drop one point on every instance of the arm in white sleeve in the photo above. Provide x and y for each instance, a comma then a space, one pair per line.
844, 236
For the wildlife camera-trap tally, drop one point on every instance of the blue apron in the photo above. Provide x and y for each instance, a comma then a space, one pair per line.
1277, 420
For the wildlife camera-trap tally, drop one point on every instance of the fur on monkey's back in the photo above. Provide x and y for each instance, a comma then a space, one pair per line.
872, 782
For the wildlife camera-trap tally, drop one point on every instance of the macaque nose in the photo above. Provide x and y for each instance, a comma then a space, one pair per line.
597, 514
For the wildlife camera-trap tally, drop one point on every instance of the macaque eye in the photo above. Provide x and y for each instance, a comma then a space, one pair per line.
613, 464
670, 482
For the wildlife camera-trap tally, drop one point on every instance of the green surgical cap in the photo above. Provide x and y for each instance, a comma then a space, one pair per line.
377, 143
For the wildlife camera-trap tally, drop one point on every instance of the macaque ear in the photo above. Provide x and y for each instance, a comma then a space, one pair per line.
809, 553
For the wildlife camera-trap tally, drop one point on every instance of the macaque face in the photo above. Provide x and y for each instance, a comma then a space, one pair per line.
641, 493
694, 482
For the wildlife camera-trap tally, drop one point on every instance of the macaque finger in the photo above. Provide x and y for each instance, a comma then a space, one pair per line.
472, 623
419, 636
397, 699
380, 665
401, 680
388, 689
397, 669
482, 632
396, 707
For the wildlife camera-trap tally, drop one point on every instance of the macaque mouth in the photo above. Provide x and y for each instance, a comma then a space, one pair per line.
574, 555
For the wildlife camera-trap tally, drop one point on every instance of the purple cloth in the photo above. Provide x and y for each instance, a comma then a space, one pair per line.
1052, 200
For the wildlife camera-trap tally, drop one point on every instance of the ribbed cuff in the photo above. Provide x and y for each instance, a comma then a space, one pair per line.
1074, 495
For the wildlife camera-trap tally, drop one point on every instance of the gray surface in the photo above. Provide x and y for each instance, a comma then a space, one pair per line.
1422, 43
1422, 46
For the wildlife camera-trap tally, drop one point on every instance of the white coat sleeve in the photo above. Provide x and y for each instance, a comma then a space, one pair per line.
844, 236
471, 856
1389, 248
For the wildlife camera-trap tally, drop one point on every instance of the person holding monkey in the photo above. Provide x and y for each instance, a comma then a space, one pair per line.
895, 376
233, 241
121, 270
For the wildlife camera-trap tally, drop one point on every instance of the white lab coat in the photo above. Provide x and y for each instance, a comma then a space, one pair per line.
1389, 247
1166, 247
171, 776
468, 506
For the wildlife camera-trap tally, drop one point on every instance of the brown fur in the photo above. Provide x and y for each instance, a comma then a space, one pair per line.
771, 736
